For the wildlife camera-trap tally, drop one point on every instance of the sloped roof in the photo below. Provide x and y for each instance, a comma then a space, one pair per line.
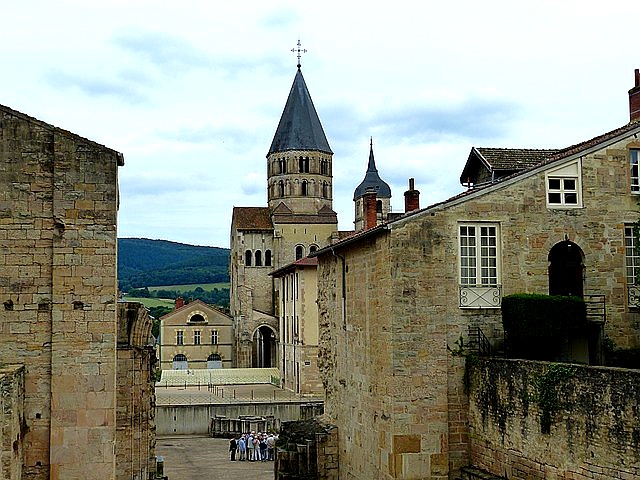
252, 218
299, 127
502, 159
303, 262
372, 180
196, 304
564, 154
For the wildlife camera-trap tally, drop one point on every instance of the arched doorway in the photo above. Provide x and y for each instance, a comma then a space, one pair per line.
180, 362
214, 361
566, 267
264, 347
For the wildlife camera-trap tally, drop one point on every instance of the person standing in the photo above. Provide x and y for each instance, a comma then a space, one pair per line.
242, 448
271, 445
233, 446
250, 447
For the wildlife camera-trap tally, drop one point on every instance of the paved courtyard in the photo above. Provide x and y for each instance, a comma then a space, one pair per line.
205, 458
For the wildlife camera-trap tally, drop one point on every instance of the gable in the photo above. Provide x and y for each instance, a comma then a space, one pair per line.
190, 314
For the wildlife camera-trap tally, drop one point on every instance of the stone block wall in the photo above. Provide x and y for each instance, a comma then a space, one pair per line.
592, 415
58, 210
135, 412
11, 421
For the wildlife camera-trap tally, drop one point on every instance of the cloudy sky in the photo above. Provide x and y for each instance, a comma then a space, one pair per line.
191, 91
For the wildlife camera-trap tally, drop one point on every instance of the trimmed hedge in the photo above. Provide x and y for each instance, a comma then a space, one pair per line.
537, 326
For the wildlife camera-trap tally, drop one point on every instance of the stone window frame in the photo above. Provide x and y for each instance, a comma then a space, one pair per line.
197, 337
299, 252
634, 170
563, 186
179, 337
214, 337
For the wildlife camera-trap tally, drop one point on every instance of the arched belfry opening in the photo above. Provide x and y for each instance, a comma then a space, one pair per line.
566, 269
264, 347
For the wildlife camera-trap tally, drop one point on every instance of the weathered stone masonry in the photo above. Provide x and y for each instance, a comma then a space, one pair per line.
58, 209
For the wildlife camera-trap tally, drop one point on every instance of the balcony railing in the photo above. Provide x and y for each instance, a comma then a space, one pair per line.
634, 295
472, 296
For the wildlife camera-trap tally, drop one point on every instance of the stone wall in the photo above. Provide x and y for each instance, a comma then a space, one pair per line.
591, 415
58, 209
390, 309
195, 419
11, 421
135, 412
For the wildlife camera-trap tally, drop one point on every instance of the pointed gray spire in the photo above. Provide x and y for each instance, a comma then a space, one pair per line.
372, 180
299, 127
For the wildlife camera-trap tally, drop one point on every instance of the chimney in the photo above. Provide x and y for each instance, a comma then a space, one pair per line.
370, 213
634, 100
411, 198
179, 302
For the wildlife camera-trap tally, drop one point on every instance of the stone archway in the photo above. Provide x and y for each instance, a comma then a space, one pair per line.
264, 347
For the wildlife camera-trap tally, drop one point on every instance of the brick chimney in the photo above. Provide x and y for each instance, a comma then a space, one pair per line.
370, 213
411, 198
634, 99
179, 302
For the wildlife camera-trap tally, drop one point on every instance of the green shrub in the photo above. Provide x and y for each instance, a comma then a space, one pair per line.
536, 326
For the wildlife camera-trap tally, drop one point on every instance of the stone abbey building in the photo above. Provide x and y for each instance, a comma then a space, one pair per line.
76, 367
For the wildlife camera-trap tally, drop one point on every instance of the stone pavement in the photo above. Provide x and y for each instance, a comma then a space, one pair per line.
206, 458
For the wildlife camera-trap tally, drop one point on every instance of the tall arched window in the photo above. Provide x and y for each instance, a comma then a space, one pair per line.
281, 188
379, 206
283, 165
313, 248
304, 188
323, 167
247, 258
258, 258
267, 258
325, 190
299, 252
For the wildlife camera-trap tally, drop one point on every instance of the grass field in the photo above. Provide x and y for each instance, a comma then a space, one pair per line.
185, 288
151, 302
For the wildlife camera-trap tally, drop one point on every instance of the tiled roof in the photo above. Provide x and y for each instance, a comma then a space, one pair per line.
514, 158
303, 262
252, 218
559, 155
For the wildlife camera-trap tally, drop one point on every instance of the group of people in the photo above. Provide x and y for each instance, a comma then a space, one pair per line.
253, 447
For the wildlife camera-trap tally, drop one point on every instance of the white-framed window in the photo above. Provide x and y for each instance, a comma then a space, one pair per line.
563, 186
214, 337
479, 265
179, 337
632, 259
632, 265
634, 159
478, 254
196, 337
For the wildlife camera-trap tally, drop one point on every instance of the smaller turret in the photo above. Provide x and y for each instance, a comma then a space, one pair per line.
372, 183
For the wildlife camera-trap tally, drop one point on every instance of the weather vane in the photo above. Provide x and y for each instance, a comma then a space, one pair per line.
300, 51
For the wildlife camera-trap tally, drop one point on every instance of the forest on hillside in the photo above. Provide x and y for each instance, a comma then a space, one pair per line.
147, 263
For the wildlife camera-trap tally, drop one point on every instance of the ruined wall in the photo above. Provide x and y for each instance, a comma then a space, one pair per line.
135, 402
591, 416
11, 421
58, 208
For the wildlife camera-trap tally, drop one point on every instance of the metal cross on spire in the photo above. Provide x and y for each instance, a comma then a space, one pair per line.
300, 51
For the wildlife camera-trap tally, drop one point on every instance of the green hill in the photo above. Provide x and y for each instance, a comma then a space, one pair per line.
146, 263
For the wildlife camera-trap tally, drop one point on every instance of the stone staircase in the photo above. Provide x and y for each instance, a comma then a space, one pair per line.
473, 473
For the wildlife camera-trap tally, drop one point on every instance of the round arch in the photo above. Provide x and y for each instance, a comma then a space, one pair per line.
264, 347
566, 269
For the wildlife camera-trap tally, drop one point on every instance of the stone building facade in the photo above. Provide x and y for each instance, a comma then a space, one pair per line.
11, 421
396, 298
195, 335
298, 326
58, 289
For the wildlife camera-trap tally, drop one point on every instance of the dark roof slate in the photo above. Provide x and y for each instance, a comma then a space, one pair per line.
299, 127
502, 159
372, 180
